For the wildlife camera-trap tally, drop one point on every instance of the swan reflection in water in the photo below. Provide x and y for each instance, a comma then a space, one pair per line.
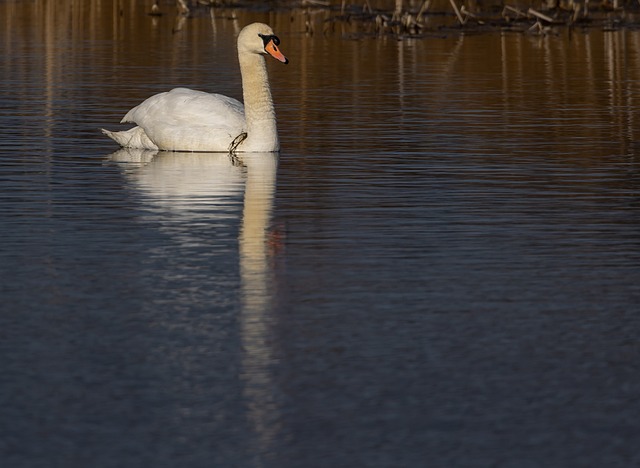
198, 188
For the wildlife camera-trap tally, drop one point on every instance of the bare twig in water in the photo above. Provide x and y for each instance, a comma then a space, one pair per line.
316, 2
509, 9
539, 15
425, 7
458, 14
183, 8
467, 14
155, 9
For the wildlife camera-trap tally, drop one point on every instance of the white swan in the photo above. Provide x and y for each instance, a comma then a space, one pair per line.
187, 120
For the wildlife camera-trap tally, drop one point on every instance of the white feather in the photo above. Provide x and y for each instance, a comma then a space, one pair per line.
186, 120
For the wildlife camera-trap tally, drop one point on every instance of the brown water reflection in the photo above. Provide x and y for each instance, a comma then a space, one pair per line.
560, 91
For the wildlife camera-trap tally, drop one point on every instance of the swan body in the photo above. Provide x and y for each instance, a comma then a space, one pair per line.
187, 120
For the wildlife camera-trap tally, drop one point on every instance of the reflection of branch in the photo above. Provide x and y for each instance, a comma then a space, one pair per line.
453, 59
179, 24
448, 70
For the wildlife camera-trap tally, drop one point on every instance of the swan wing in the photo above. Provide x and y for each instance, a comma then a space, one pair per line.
187, 120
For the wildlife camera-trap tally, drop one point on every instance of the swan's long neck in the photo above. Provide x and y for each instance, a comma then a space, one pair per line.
262, 133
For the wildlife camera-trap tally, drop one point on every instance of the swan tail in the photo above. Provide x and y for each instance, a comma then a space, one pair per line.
132, 138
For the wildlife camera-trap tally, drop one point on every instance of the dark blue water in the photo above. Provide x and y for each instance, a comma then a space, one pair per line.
425, 276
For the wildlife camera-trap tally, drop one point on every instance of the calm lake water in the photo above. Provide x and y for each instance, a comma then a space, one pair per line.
440, 269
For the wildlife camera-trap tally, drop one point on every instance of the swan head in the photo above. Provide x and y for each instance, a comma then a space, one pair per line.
258, 38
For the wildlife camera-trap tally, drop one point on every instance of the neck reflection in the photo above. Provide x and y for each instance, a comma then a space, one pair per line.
183, 191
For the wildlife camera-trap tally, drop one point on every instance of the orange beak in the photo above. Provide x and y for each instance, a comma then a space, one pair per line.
273, 50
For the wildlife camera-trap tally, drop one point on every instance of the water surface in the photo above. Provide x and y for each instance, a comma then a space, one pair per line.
440, 268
